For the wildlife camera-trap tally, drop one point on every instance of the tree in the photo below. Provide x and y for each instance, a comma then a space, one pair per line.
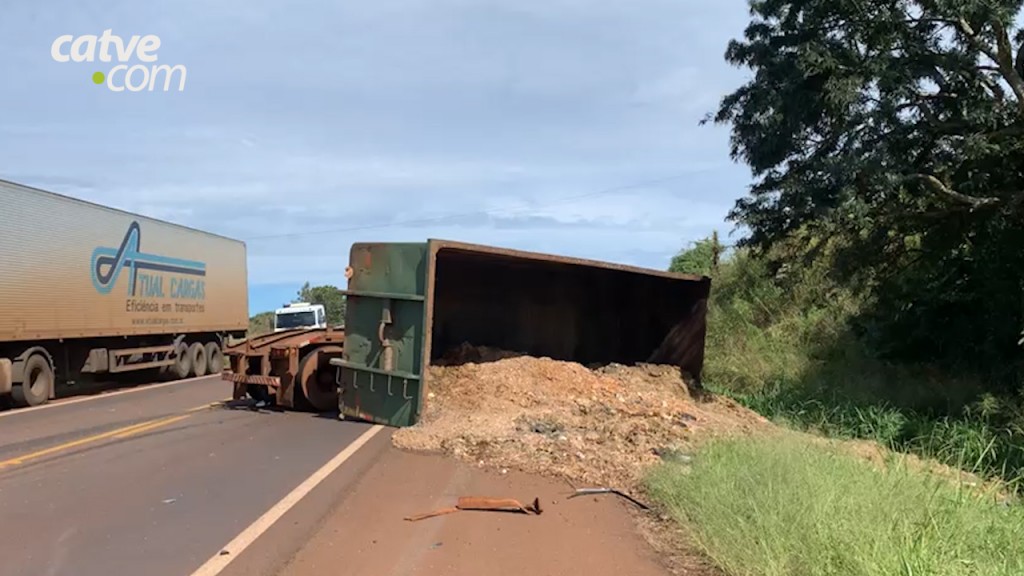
330, 297
914, 104
701, 257
892, 132
893, 106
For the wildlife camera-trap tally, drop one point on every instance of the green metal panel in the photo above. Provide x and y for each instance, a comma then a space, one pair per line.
386, 291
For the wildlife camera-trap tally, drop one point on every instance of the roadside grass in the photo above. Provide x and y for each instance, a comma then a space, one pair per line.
783, 506
990, 445
789, 354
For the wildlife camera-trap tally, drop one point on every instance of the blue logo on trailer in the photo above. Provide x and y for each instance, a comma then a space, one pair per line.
107, 263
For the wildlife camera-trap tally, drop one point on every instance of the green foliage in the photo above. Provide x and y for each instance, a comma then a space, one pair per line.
701, 258
896, 131
781, 340
330, 297
879, 294
768, 321
262, 323
991, 447
889, 109
781, 506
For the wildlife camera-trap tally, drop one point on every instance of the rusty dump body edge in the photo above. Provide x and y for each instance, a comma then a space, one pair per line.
408, 304
564, 308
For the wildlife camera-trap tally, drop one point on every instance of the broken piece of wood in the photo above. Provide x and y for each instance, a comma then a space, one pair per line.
483, 504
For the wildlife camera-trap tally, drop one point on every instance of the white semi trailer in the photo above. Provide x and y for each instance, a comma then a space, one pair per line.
88, 292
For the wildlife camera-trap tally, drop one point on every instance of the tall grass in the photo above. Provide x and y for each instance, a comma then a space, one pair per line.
969, 442
783, 507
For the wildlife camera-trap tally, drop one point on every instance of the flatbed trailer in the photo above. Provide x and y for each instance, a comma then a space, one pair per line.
288, 368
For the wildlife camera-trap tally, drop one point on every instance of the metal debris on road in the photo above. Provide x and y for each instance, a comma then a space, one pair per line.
483, 504
440, 512
170, 501
591, 491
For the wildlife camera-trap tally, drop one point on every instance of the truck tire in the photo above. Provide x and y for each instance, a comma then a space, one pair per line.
214, 358
35, 389
315, 381
197, 355
183, 366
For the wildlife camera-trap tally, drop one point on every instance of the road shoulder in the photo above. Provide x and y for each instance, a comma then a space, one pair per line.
366, 532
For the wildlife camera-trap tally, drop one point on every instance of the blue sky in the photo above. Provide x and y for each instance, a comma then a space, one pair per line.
306, 126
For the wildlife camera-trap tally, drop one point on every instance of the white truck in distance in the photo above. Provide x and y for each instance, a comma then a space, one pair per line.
300, 315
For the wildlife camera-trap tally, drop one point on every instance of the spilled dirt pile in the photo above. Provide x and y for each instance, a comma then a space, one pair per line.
598, 427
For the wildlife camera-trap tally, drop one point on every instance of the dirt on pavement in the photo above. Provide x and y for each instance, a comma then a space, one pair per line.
367, 533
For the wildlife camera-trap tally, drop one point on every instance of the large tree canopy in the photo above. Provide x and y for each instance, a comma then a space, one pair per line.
330, 297
893, 104
895, 130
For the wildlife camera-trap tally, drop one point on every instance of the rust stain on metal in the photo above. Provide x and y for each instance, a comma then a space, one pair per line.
272, 381
483, 504
498, 505
265, 343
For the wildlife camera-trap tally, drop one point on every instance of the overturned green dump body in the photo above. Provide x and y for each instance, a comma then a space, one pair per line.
409, 303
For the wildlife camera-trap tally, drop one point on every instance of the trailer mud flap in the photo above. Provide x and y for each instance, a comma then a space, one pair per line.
380, 375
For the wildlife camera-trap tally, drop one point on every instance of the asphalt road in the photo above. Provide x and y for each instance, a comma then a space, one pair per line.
160, 480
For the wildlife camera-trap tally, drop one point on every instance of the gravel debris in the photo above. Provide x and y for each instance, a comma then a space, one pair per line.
600, 427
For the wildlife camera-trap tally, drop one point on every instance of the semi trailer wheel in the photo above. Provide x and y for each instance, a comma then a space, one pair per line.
197, 353
214, 358
183, 366
35, 389
315, 380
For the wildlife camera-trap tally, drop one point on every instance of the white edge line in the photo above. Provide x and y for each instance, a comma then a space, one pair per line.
233, 549
102, 395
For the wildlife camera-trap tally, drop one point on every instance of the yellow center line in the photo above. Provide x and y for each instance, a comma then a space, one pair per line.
208, 406
151, 426
73, 444
123, 432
